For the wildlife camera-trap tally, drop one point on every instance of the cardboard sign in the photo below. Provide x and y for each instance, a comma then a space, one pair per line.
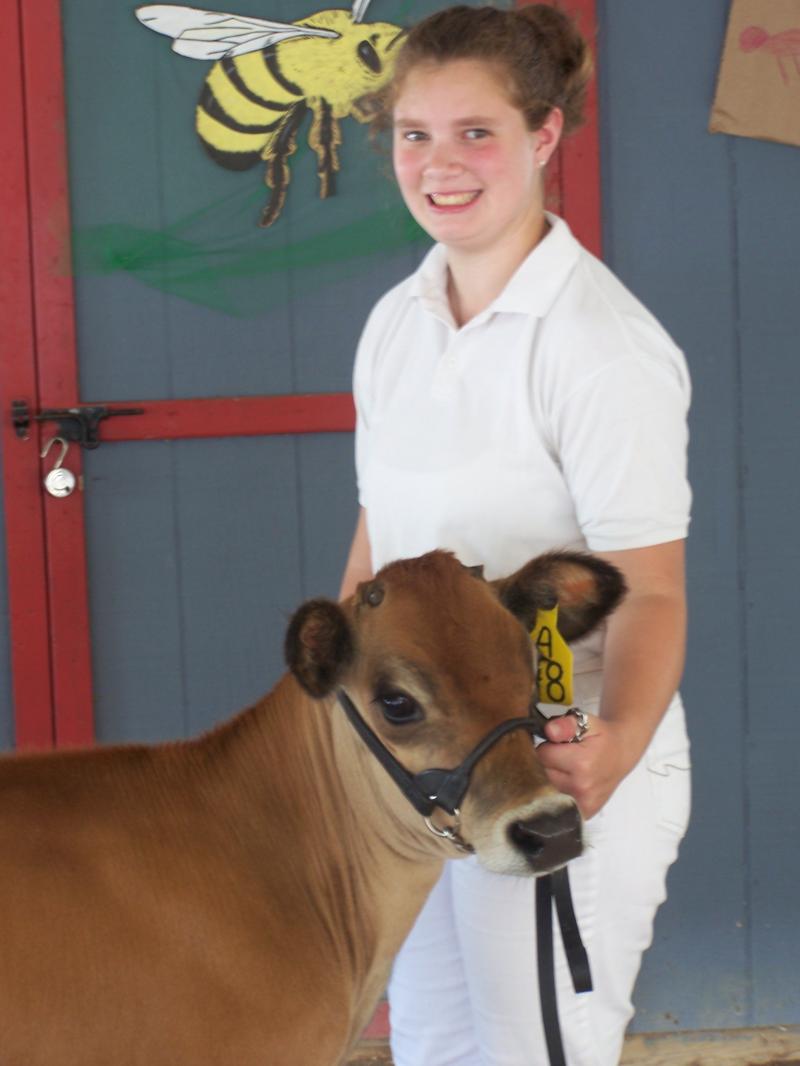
758, 90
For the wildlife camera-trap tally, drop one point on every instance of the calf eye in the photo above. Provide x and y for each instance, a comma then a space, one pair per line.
399, 708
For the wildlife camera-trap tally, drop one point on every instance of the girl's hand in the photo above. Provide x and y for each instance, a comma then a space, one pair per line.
588, 771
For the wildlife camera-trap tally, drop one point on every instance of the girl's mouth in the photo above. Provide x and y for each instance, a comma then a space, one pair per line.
452, 199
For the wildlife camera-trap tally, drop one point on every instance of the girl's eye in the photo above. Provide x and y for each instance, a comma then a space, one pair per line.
476, 134
413, 135
398, 708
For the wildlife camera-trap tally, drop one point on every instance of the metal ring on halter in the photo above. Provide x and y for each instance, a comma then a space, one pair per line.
450, 832
582, 721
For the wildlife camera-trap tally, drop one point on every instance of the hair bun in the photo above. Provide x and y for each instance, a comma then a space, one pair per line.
571, 65
539, 49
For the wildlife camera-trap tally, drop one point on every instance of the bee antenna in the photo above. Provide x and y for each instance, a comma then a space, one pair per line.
359, 9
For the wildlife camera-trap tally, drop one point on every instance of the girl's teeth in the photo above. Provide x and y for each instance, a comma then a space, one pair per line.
452, 199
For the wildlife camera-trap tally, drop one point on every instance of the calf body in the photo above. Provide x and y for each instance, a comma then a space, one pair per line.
237, 899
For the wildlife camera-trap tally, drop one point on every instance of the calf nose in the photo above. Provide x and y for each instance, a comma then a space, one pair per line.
548, 839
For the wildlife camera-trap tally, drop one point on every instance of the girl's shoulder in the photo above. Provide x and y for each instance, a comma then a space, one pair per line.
597, 324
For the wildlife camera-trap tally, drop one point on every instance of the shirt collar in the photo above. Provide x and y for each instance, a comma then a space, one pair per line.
531, 290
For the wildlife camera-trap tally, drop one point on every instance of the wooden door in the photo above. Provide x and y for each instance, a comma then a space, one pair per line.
151, 601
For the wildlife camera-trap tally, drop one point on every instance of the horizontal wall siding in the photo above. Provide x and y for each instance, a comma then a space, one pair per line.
705, 230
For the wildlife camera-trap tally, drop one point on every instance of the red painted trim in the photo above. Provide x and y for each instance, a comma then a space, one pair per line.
573, 178
238, 416
56, 359
24, 516
580, 153
379, 1025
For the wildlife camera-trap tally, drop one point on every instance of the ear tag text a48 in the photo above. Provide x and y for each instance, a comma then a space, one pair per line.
554, 659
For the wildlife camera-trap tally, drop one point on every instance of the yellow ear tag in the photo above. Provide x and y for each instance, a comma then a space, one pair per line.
554, 667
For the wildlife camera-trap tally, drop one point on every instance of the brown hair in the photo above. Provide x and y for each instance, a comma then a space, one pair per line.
537, 49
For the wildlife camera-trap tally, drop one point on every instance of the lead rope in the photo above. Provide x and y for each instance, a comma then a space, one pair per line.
554, 680
555, 887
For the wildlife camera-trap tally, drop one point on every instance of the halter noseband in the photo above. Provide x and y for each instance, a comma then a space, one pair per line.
437, 788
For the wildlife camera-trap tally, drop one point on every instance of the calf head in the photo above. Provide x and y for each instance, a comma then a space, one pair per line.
434, 658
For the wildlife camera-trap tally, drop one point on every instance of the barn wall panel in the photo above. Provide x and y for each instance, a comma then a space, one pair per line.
199, 551
670, 233
238, 543
704, 229
134, 582
328, 509
194, 569
768, 261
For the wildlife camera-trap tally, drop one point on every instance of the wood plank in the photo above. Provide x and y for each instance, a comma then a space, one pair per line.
54, 330
28, 605
710, 1047
231, 416
715, 1047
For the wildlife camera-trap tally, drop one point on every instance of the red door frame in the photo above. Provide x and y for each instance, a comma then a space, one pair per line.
47, 576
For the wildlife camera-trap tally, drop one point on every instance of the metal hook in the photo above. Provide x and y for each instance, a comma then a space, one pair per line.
64, 450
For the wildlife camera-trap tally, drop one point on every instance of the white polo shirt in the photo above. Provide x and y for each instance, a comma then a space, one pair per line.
556, 418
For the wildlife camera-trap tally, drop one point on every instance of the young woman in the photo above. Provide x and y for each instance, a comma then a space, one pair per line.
514, 397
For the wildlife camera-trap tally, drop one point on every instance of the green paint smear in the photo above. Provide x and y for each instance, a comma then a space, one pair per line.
232, 278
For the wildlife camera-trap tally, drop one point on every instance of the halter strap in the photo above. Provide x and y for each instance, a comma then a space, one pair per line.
435, 788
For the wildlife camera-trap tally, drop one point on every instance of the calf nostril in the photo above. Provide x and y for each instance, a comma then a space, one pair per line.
525, 838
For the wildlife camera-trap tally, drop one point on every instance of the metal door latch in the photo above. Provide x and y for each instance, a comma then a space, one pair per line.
78, 425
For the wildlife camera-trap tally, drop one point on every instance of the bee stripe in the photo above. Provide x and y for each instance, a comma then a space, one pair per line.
218, 135
271, 63
229, 66
212, 107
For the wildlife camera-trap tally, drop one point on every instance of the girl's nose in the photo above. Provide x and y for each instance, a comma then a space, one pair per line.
442, 159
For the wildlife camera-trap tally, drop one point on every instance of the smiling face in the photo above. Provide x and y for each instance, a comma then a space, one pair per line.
468, 167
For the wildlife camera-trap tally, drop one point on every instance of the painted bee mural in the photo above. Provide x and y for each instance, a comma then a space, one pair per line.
268, 75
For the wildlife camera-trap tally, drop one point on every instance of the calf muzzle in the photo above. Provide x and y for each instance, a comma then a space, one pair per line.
549, 838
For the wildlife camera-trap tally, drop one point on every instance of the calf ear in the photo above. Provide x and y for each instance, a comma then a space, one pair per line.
319, 646
585, 588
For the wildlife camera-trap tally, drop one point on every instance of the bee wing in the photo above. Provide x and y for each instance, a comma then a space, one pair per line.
213, 34
359, 10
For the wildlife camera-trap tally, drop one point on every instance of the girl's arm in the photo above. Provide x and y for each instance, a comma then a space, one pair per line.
359, 561
643, 663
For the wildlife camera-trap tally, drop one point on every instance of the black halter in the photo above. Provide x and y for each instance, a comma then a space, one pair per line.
435, 788
446, 789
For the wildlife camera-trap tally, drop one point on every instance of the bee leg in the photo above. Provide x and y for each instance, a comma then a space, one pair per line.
277, 173
325, 137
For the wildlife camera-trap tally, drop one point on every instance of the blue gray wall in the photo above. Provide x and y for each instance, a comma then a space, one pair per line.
199, 550
706, 230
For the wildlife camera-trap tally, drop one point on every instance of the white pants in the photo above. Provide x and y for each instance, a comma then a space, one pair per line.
464, 988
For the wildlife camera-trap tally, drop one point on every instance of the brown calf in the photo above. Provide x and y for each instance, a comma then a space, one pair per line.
236, 900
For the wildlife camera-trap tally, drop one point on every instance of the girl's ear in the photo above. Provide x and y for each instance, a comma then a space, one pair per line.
548, 135
586, 589
319, 646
